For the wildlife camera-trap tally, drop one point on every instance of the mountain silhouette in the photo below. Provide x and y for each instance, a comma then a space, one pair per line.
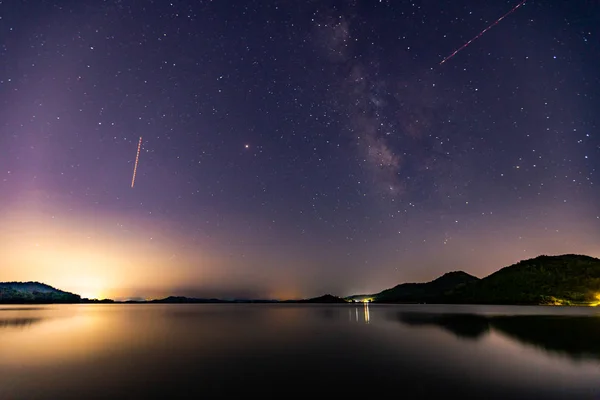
425, 292
34, 293
563, 279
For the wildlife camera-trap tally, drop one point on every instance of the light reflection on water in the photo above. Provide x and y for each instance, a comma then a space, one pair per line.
116, 351
355, 314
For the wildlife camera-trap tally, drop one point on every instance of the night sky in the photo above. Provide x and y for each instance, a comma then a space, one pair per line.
293, 148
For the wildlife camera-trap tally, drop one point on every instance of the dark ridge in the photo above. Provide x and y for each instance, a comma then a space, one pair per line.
557, 280
327, 298
34, 293
182, 299
425, 292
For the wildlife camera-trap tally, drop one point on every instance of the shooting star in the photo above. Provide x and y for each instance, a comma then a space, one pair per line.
137, 159
515, 8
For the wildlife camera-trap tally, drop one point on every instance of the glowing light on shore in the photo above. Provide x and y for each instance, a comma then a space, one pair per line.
101, 256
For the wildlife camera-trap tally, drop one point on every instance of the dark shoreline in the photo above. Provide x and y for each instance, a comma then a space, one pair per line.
4, 303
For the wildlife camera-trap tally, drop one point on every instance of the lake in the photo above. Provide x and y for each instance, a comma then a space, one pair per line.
402, 351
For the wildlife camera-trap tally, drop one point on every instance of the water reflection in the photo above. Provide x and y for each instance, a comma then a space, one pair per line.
20, 317
329, 314
189, 351
357, 315
471, 326
574, 336
18, 322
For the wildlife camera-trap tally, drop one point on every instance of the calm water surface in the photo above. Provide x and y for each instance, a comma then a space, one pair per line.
187, 351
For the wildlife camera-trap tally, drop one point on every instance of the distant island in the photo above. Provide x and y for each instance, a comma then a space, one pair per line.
568, 279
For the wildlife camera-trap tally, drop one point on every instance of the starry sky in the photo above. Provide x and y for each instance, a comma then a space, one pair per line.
293, 148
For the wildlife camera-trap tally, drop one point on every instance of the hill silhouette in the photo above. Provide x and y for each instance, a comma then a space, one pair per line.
34, 293
559, 280
182, 299
433, 291
327, 298
563, 279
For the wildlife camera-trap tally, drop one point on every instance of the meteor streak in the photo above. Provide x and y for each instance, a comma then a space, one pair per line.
137, 159
483, 31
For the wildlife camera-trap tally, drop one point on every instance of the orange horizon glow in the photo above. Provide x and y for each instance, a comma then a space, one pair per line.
110, 255
96, 257
127, 255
